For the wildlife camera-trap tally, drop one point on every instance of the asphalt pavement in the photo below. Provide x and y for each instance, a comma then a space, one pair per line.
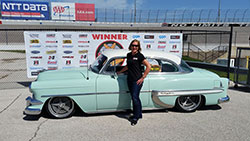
228, 121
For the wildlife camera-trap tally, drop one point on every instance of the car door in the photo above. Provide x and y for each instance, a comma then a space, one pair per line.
163, 77
112, 89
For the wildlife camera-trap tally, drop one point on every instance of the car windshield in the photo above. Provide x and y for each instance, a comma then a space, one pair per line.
185, 67
98, 63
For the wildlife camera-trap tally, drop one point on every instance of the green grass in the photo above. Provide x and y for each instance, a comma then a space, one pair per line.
186, 58
16, 51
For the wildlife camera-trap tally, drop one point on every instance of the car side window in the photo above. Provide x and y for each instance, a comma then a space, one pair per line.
158, 65
155, 65
168, 66
116, 65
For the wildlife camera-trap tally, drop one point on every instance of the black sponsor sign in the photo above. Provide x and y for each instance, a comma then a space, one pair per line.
149, 36
174, 37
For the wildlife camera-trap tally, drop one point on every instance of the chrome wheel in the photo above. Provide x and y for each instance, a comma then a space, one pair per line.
188, 103
60, 107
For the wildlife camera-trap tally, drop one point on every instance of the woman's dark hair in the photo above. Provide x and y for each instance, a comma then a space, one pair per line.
139, 45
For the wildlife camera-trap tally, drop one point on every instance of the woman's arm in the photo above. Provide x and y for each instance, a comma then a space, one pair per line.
148, 67
123, 70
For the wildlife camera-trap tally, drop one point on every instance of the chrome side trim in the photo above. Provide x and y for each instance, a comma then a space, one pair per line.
223, 99
160, 93
188, 92
156, 100
101, 93
156, 94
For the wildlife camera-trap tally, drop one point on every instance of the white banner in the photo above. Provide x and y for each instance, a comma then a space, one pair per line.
62, 11
60, 50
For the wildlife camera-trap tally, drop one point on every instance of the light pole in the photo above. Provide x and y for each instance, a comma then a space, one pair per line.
219, 12
135, 11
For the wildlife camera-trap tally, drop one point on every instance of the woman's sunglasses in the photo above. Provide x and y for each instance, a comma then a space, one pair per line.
135, 45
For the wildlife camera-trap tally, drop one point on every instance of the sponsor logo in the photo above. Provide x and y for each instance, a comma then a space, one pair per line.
136, 36
67, 46
82, 51
68, 62
68, 52
148, 46
34, 41
174, 37
174, 46
67, 41
35, 62
148, 41
67, 67
83, 35
50, 35
83, 45
34, 73
36, 68
52, 62
35, 46
34, 35
36, 57
174, 42
67, 35
35, 52
67, 56
83, 56
23, 6
52, 68
107, 45
52, 57
161, 42
83, 62
161, 46
51, 41
59, 9
51, 52
83, 42
51, 46
175, 51
149, 36
109, 36
162, 36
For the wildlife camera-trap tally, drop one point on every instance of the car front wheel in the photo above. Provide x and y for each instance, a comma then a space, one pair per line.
188, 103
60, 107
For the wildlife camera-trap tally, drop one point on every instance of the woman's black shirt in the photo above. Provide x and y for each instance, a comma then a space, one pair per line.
134, 64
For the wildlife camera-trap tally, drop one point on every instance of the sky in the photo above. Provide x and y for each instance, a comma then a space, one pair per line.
166, 4
162, 4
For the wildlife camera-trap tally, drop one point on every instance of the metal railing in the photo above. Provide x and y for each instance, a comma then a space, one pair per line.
168, 16
195, 52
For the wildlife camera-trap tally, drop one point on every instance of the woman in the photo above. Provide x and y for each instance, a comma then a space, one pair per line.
135, 78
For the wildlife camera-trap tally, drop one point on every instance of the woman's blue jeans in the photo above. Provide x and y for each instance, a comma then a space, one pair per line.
135, 95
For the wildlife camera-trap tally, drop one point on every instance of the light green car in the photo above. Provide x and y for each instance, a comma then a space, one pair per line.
170, 83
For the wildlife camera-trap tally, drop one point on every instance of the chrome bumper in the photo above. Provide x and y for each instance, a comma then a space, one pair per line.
223, 99
32, 111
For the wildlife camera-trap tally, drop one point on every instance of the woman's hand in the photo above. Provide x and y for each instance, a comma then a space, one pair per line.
148, 67
140, 81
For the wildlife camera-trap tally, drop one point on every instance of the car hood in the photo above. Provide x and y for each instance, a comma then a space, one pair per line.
63, 74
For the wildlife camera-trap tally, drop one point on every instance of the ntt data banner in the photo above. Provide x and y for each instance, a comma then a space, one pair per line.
62, 50
25, 10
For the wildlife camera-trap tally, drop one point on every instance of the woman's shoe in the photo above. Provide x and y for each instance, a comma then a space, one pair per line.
133, 120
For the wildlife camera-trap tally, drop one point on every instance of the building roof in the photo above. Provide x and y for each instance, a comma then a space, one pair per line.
110, 53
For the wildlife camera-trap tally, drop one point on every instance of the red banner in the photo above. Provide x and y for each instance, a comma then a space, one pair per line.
84, 12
